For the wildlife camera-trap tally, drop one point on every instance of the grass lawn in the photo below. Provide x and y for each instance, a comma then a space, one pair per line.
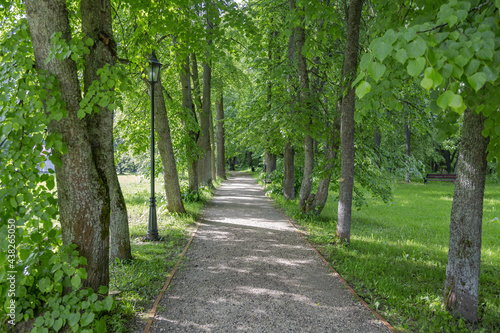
139, 281
397, 257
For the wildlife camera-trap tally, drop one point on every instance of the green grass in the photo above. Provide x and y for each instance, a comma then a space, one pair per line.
397, 257
140, 280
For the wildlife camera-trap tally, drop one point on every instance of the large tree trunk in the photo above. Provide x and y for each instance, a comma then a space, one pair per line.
347, 122
170, 176
212, 146
84, 202
305, 188
221, 149
408, 150
196, 83
190, 122
96, 21
205, 161
289, 151
464, 256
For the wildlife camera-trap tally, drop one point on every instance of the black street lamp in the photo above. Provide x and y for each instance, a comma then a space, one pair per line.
153, 73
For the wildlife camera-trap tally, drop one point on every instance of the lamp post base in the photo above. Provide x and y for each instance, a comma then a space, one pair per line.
152, 223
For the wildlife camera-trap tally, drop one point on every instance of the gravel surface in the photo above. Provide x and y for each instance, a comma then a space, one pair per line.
248, 270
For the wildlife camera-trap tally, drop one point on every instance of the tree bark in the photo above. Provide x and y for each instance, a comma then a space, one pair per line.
464, 255
221, 149
196, 83
170, 175
347, 122
289, 172
249, 159
205, 161
212, 147
96, 21
289, 152
84, 201
270, 163
305, 188
190, 122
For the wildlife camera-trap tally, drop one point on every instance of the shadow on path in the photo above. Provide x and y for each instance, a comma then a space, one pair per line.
248, 270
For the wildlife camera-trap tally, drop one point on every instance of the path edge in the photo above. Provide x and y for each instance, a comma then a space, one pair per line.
335, 273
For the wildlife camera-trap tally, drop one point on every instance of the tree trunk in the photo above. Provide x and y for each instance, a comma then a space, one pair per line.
84, 201
212, 147
270, 163
289, 172
331, 148
205, 161
408, 151
96, 21
196, 83
289, 151
221, 149
347, 122
170, 176
232, 163
464, 255
305, 188
190, 122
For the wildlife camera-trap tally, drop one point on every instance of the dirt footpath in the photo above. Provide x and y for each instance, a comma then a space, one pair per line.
248, 270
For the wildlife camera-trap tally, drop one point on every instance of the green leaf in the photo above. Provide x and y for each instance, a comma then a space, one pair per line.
426, 83
416, 48
444, 99
457, 104
58, 275
87, 319
39, 321
73, 319
44, 284
76, 281
89, 42
451, 20
365, 60
491, 74
103, 290
382, 50
50, 183
497, 3
376, 70
401, 56
452, 100
416, 66
109, 303
363, 89
57, 324
100, 326
477, 80
434, 75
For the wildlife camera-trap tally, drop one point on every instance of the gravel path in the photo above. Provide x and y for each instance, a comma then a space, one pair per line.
248, 270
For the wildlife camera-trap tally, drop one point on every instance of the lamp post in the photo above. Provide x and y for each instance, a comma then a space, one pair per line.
153, 73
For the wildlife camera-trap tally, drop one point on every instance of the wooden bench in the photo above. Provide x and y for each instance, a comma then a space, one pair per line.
440, 178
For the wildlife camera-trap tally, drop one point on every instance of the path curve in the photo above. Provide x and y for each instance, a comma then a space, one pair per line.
248, 270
